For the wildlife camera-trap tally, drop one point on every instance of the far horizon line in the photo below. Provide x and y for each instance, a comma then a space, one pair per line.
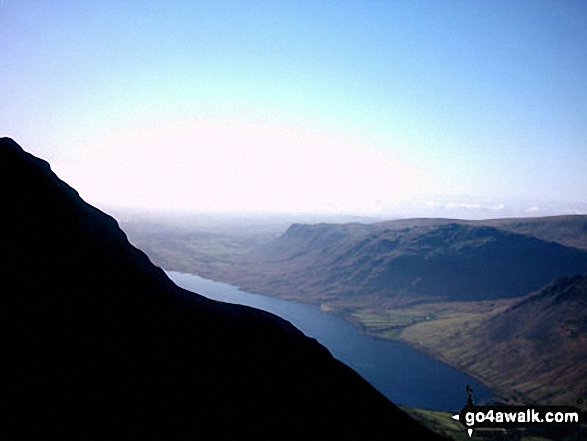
182, 212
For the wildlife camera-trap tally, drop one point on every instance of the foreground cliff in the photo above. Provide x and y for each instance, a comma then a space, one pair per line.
96, 342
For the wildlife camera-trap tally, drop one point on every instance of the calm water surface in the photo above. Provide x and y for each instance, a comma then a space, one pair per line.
401, 373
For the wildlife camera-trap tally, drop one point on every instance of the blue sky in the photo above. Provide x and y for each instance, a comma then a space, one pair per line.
347, 107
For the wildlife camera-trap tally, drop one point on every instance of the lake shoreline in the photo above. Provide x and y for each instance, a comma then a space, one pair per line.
484, 390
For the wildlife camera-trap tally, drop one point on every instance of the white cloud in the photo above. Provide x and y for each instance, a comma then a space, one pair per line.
213, 165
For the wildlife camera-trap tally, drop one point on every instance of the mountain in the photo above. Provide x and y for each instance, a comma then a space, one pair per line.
536, 349
433, 260
569, 230
544, 338
98, 343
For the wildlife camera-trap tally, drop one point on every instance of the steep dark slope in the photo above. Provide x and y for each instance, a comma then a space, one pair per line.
96, 342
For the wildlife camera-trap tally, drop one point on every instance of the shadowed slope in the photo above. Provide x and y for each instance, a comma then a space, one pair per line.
96, 342
449, 262
533, 351
540, 344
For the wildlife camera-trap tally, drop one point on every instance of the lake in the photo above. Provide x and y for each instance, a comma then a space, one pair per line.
403, 374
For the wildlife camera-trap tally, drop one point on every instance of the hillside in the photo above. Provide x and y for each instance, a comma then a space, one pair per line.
570, 230
97, 343
536, 349
447, 262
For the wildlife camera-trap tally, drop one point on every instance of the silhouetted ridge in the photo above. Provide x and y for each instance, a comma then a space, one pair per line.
96, 342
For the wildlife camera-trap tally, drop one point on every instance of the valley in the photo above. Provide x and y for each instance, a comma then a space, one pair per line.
440, 285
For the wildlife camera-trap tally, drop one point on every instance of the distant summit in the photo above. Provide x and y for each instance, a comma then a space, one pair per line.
97, 343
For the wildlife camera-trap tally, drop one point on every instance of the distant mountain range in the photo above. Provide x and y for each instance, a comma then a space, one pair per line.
98, 343
413, 260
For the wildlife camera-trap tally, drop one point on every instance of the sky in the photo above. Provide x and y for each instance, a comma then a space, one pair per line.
391, 108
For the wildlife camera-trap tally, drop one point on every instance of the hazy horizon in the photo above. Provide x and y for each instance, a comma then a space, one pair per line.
354, 108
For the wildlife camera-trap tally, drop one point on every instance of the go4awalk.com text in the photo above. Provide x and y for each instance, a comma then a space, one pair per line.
477, 417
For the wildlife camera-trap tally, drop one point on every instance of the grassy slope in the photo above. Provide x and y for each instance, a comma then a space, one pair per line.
439, 422
534, 351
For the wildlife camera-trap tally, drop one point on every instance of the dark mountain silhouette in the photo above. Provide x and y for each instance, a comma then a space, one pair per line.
97, 343
432, 260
